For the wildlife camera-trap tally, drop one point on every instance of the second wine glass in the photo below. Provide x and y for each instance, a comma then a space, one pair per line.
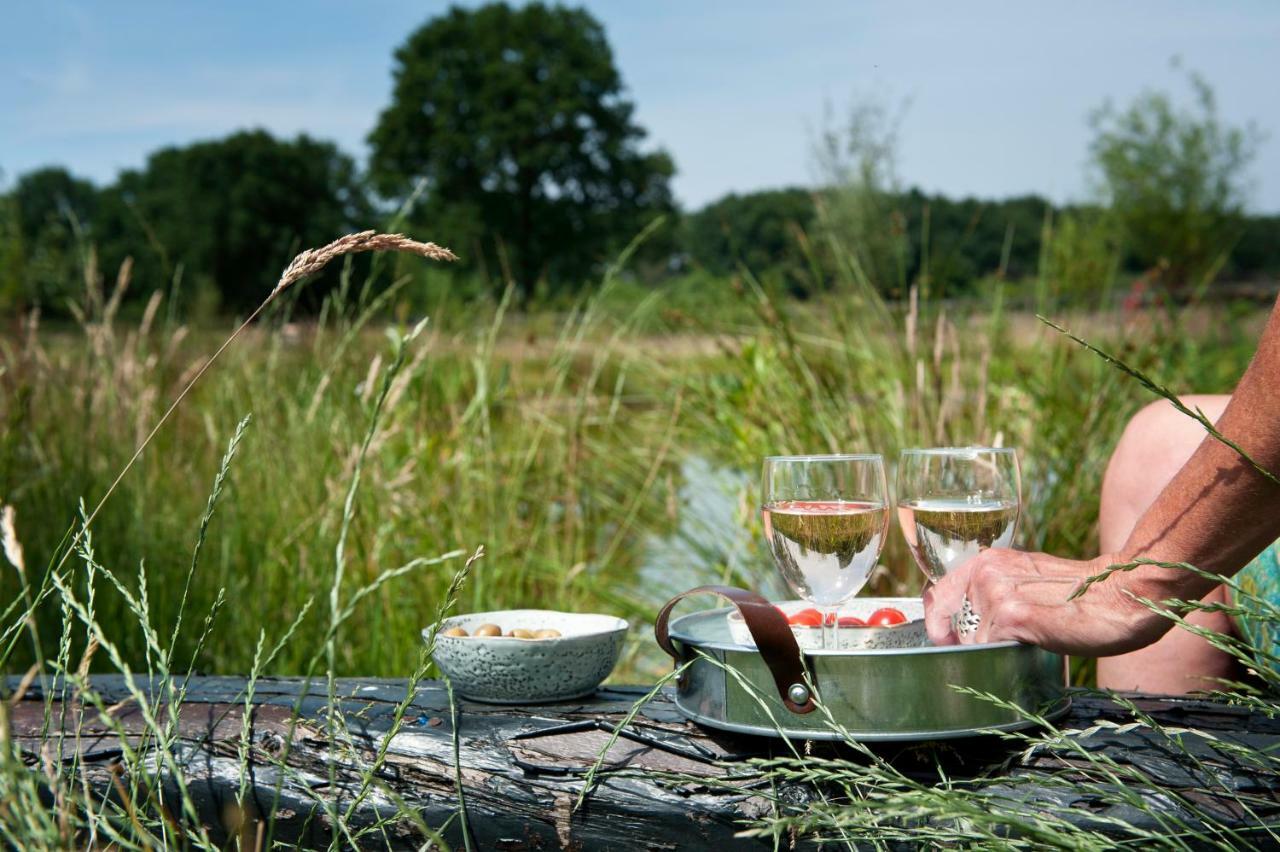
956, 501
825, 519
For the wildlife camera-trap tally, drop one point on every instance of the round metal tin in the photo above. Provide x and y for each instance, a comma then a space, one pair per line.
869, 695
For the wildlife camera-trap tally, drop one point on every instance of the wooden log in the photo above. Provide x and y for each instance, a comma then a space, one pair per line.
522, 769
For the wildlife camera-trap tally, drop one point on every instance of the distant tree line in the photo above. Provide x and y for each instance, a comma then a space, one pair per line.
959, 240
509, 138
222, 218
955, 242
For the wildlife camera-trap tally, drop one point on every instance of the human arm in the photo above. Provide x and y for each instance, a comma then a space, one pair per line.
1216, 513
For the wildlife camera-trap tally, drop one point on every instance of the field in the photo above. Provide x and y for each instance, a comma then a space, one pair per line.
309, 506
605, 455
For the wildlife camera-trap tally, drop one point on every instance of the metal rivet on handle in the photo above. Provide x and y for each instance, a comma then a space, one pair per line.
798, 693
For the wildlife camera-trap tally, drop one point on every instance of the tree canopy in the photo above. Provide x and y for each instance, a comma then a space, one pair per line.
52, 209
956, 240
231, 211
517, 122
757, 230
1174, 180
222, 217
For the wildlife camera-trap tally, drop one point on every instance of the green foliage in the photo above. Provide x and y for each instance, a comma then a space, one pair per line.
231, 212
858, 163
1083, 257
951, 243
946, 244
12, 261
758, 230
54, 212
517, 122
892, 239
567, 457
558, 181
53, 196
1258, 251
567, 444
1175, 180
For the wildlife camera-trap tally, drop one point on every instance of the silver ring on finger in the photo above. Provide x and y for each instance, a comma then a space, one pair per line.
966, 621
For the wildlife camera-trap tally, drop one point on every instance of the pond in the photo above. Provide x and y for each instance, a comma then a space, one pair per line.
715, 540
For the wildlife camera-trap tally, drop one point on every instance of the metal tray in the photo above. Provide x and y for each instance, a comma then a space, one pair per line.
868, 695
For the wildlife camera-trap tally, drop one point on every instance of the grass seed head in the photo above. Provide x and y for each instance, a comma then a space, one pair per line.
312, 261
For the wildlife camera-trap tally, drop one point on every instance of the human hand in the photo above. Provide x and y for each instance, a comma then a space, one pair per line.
1026, 597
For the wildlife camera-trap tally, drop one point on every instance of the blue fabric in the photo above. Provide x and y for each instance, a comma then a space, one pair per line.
1261, 578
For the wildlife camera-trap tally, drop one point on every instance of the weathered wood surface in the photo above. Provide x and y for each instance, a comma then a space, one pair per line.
522, 768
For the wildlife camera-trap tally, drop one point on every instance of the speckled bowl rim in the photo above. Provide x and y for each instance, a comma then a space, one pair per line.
620, 625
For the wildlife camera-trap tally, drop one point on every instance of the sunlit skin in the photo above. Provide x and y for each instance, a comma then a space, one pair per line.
1217, 513
1156, 443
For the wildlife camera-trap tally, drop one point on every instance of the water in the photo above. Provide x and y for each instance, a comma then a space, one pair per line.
718, 538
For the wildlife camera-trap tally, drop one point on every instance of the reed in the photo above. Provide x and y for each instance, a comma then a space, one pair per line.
601, 455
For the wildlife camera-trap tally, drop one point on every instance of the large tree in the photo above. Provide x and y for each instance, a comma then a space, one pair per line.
231, 211
517, 122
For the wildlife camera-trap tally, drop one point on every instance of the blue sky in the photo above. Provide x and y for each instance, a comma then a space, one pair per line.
997, 94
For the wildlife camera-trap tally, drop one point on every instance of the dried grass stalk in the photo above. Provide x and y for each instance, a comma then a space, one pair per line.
312, 261
307, 263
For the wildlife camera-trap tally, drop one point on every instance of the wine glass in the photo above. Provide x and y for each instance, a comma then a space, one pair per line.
825, 519
956, 501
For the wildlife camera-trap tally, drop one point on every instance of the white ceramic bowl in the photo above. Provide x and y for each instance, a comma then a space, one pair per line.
505, 670
909, 635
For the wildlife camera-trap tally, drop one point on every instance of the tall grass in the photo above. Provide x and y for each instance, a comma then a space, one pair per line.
563, 446
559, 446
1130, 801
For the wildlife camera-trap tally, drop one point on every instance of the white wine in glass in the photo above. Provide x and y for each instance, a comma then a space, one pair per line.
955, 502
825, 519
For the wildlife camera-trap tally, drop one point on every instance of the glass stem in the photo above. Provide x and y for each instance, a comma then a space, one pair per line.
829, 626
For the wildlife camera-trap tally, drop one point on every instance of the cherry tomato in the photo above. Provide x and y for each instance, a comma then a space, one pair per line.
805, 618
851, 621
886, 617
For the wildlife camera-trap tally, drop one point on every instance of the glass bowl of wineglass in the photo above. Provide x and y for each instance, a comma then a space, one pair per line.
956, 501
825, 518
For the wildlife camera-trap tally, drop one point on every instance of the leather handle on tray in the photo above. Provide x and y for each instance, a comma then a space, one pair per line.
773, 637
